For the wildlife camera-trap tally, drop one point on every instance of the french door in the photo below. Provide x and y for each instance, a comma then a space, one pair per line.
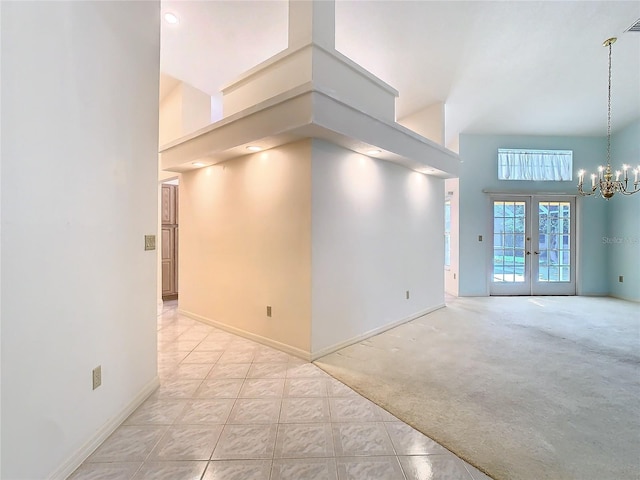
533, 245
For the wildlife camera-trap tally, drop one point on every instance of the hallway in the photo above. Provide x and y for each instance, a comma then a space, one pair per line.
229, 408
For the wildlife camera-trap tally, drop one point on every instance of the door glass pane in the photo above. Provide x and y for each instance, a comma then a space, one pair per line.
508, 241
554, 243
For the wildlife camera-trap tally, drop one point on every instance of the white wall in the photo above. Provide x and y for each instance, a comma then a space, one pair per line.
428, 122
183, 110
377, 231
170, 119
245, 244
79, 169
196, 109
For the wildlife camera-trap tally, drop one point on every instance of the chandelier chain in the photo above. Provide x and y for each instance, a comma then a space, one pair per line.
609, 112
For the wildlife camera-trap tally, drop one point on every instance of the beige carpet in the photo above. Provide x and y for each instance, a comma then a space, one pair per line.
524, 388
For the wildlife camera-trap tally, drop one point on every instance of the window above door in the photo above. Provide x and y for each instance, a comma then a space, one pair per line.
535, 165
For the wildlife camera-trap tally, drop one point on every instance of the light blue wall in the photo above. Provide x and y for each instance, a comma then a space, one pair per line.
479, 171
623, 233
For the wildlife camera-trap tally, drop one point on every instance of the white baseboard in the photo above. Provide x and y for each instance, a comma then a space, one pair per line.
359, 338
626, 299
307, 356
75, 460
296, 352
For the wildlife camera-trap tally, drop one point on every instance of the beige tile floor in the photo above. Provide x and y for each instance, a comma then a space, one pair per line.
232, 409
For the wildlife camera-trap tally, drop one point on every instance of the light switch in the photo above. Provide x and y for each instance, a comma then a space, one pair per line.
479, 238
149, 242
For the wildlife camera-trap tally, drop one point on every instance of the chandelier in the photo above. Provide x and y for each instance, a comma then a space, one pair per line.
603, 184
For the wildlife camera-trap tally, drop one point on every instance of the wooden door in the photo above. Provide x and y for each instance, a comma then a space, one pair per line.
169, 290
169, 242
169, 204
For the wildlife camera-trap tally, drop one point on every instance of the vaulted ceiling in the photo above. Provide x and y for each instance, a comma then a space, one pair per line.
505, 67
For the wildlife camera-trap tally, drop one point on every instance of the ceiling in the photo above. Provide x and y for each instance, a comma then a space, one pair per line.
503, 67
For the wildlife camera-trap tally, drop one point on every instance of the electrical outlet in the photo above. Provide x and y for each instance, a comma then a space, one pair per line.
621, 278
268, 310
97, 377
407, 294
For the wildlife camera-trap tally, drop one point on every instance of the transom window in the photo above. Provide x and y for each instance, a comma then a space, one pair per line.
535, 165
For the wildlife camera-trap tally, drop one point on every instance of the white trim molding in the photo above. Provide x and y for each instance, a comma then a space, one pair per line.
76, 459
376, 331
295, 351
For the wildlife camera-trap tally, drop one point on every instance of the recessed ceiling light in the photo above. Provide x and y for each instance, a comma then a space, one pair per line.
254, 148
171, 18
374, 151
199, 164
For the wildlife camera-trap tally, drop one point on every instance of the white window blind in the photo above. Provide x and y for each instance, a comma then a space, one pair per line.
537, 165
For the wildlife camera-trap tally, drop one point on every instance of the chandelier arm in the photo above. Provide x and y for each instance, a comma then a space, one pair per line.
636, 189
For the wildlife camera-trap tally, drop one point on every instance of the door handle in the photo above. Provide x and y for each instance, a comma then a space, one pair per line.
537, 253
528, 253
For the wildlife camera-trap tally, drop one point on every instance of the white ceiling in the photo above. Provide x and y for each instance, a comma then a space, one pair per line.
506, 67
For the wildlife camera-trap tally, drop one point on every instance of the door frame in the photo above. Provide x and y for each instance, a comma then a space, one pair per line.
534, 287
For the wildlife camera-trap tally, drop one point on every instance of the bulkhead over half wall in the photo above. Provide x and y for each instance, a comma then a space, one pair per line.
330, 239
